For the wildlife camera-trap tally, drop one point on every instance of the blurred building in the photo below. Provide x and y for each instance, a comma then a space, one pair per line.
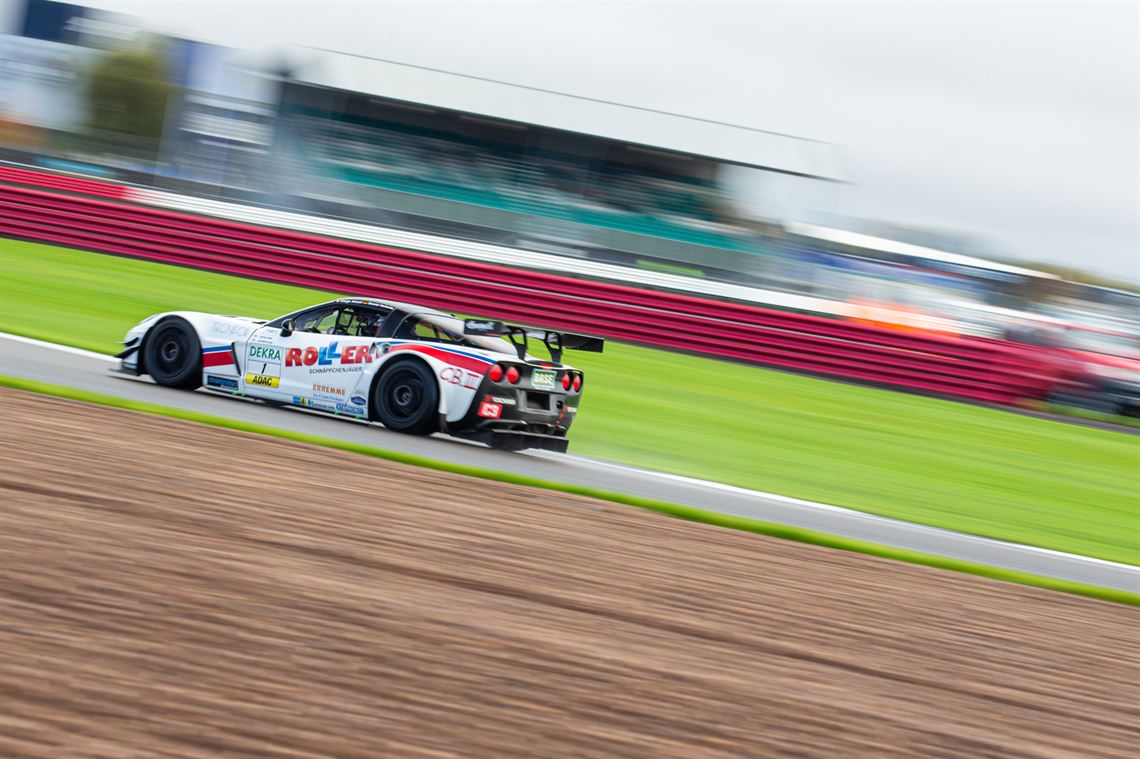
410, 148
425, 149
44, 67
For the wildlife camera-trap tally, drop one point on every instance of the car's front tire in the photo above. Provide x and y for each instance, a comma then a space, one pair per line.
172, 354
406, 398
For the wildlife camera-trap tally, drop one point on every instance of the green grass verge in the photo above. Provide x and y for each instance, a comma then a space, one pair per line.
1095, 416
667, 268
952, 465
690, 513
90, 300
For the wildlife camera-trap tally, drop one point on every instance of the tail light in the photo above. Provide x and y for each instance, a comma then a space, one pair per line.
496, 373
513, 375
566, 381
577, 382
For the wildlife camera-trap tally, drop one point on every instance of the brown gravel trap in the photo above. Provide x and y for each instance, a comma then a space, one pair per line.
169, 589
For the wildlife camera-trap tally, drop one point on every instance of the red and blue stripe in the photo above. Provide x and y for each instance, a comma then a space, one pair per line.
220, 356
463, 359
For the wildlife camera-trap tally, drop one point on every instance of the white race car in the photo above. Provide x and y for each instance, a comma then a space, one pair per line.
413, 369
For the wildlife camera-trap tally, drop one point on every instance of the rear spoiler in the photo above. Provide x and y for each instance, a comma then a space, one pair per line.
555, 342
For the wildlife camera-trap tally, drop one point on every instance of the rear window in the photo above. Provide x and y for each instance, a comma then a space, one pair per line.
448, 329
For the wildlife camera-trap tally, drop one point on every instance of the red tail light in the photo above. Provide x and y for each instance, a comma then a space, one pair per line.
577, 382
496, 373
566, 381
512, 375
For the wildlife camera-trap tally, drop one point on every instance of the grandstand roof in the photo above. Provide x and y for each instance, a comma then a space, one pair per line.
518, 104
882, 244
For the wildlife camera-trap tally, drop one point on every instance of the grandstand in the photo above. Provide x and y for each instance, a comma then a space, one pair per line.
464, 160
855, 264
419, 148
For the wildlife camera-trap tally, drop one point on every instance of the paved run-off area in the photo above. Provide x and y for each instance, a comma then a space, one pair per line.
950, 465
177, 589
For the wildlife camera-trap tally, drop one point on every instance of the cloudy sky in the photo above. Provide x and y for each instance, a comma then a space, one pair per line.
1016, 122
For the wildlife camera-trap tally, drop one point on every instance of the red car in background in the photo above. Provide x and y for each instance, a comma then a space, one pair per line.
1098, 369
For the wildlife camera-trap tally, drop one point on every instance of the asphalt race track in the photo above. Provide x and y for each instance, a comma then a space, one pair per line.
88, 371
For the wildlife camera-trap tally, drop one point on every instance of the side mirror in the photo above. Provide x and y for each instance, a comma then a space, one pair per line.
287, 327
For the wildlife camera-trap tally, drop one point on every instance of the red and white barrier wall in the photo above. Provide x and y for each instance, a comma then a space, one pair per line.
101, 216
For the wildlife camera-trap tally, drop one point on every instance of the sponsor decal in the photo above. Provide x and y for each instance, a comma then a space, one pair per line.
571, 409
328, 355
264, 360
358, 400
462, 377
483, 327
262, 380
502, 401
543, 379
229, 329
225, 383
344, 408
329, 390
265, 353
317, 403
490, 410
331, 369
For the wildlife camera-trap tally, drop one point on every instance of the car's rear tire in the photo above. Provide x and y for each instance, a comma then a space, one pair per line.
173, 355
406, 398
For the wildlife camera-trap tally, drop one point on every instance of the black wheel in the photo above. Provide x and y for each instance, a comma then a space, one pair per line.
406, 398
173, 355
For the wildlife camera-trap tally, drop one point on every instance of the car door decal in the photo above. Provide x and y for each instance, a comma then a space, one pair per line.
263, 365
323, 371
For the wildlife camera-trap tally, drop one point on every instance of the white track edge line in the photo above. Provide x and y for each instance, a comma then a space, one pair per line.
710, 484
736, 490
57, 347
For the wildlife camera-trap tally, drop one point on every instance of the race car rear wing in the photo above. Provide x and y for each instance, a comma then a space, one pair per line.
555, 342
